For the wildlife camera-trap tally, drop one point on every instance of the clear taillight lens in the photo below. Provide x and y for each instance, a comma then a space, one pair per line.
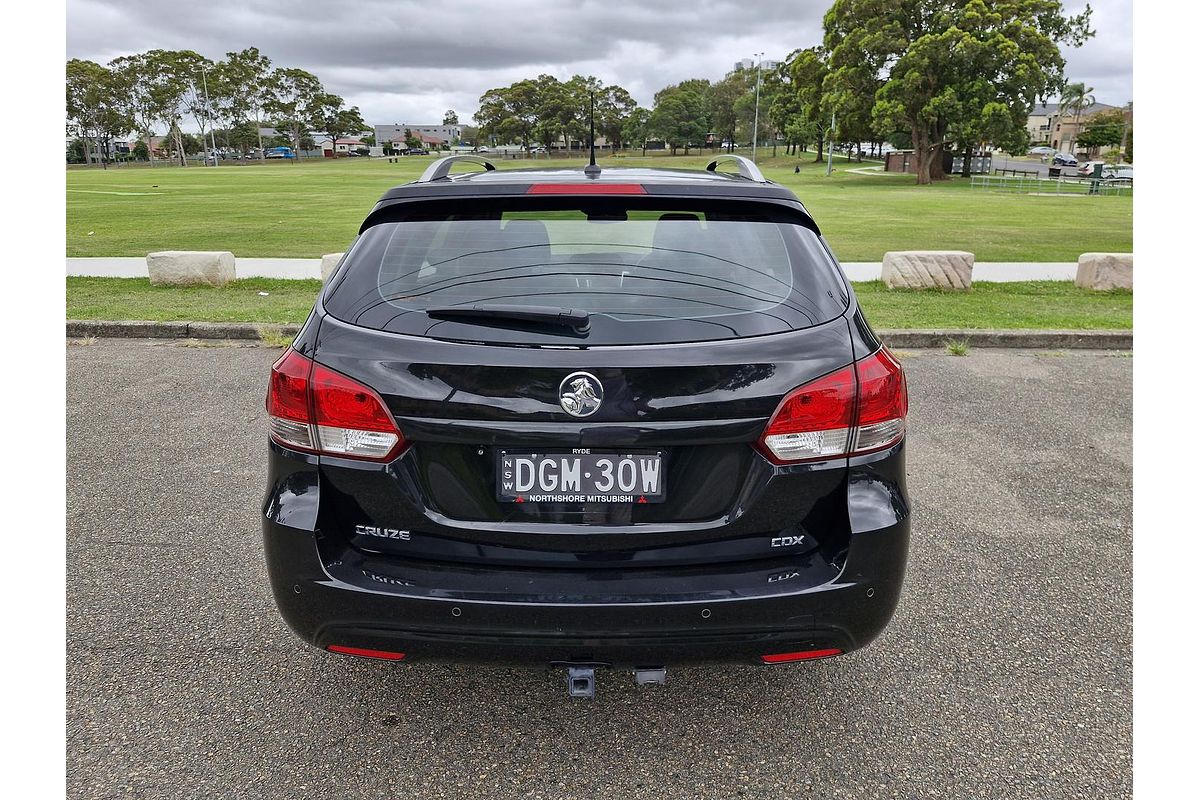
314, 408
853, 410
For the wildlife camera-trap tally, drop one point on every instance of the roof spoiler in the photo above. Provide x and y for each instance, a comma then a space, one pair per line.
746, 168
441, 168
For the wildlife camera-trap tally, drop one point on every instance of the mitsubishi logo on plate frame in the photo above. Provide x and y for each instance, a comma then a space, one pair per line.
580, 394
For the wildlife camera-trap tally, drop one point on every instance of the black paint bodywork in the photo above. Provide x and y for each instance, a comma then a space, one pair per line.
700, 577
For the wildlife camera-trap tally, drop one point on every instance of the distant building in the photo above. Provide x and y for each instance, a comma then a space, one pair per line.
1040, 121
768, 64
395, 133
1066, 129
326, 145
1050, 125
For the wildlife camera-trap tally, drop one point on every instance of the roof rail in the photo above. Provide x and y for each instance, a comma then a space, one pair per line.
441, 168
746, 168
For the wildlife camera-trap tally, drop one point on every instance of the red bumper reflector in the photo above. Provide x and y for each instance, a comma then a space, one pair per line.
364, 652
803, 655
586, 188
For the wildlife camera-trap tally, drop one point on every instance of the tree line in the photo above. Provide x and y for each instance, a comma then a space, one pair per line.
239, 95
931, 75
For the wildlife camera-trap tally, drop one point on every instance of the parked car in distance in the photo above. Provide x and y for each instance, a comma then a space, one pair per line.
1042, 150
418, 151
483, 149
280, 152
1120, 172
1064, 160
665, 434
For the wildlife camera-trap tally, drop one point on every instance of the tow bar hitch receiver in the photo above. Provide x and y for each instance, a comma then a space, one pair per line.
581, 682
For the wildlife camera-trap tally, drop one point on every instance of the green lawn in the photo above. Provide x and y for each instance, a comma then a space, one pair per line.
1035, 304
314, 207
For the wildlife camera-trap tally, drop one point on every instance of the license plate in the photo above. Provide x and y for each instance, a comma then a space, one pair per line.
579, 477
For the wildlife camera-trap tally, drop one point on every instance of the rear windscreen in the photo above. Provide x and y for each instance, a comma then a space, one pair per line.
642, 275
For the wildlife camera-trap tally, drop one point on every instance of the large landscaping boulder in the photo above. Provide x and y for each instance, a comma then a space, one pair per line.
329, 263
928, 269
1105, 271
191, 267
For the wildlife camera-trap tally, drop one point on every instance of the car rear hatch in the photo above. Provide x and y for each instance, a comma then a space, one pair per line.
633, 439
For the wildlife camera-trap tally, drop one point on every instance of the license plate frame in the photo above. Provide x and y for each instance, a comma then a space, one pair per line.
587, 471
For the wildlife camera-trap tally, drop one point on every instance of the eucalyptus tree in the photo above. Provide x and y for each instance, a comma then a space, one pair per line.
510, 113
244, 89
184, 74
96, 109
681, 113
330, 115
614, 104
141, 77
636, 127
806, 71
294, 99
723, 103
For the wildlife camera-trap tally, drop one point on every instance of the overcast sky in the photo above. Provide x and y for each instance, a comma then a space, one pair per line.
402, 61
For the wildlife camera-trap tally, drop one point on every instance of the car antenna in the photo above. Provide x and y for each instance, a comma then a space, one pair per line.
591, 170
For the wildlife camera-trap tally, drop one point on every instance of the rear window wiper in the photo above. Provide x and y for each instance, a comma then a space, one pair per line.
573, 318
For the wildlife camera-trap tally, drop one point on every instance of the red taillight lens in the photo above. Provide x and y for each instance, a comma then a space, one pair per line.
287, 395
853, 410
287, 401
813, 421
882, 401
312, 407
803, 655
364, 652
351, 419
586, 188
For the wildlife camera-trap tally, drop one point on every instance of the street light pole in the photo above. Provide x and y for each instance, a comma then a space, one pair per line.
757, 84
208, 112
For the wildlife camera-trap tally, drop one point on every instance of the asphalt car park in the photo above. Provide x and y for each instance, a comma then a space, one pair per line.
1006, 671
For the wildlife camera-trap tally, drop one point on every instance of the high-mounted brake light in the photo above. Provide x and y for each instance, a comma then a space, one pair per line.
586, 188
311, 407
854, 410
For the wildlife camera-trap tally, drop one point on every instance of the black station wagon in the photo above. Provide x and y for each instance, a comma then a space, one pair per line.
587, 418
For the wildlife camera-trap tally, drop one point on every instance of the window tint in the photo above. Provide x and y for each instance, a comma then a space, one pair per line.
643, 275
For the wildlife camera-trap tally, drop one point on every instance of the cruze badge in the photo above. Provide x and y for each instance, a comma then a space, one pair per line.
580, 394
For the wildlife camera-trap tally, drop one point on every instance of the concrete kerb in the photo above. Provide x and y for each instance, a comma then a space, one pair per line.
1019, 339
138, 329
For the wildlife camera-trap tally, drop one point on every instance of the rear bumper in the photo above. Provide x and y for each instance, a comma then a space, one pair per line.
640, 617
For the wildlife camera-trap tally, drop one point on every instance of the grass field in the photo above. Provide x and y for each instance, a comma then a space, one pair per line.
1036, 304
314, 207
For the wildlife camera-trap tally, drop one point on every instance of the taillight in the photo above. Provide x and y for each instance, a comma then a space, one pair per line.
311, 407
813, 421
287, 401
853, 410
882, 402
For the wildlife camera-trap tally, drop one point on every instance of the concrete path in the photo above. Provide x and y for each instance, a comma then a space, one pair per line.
999, 271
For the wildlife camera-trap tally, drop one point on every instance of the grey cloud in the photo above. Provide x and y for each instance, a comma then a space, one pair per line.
407, 60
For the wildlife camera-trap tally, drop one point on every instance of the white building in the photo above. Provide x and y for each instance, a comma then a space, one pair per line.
427, 132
